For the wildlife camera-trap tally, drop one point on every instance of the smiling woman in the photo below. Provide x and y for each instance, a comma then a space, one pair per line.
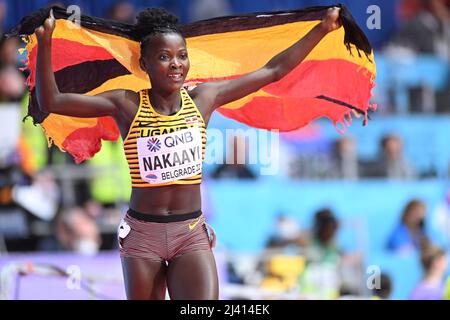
165, 242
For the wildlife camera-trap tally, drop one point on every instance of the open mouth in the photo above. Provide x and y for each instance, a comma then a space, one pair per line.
176, 76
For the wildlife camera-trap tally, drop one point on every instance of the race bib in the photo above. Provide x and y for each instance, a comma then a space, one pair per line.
169, 157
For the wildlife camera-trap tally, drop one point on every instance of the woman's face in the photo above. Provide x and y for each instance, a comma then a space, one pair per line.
166, 62
416, 215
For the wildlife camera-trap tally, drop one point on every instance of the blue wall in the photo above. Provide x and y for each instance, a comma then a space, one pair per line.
244, 212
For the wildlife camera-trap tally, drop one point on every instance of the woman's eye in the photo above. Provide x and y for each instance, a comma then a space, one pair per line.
164, 57
183, 56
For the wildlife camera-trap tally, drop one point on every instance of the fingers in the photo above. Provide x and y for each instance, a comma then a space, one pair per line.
39, 31
334, 11
213, 244
334, 17
48, 24
211, 235
45, 31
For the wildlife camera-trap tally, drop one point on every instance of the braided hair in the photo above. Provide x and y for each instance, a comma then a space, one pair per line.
152, 22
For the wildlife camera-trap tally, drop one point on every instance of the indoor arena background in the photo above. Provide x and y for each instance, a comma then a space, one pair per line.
58, 220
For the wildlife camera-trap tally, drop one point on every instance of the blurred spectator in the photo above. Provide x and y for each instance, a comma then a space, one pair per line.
41, 198
9, 51
410, 235
384, 290
428, 31
282, 272
432, 287
344, 160
391, 163
311, 166
3, 10
286, 233
12, 84
235, 166
322, 247
12, 81
122, 11
77, 231
207, 9
321, 278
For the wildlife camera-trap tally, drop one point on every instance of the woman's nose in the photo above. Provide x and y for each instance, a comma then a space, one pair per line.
175, 64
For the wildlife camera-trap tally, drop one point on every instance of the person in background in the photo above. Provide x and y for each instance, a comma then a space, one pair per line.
409, 235
235, 166
344, 159
394, 164
427, 32
122, 11
8, 51
12, 81
207, 9
321, 278
391, 163
77, 231
322, 247
287, 233
434, 263
383, 292
3, 10
12, 85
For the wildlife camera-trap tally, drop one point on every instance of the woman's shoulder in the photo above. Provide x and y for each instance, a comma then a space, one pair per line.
132, 96
122, 97
203, 96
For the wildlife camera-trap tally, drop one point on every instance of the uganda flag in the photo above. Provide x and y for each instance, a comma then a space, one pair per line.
93, 55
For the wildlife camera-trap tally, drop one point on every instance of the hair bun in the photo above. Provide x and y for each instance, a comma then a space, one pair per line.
154, 18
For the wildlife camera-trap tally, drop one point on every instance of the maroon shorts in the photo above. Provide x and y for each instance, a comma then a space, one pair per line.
162, 238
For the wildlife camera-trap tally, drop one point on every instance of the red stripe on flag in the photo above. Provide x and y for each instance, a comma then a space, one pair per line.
67, 53
84, 143
298, 106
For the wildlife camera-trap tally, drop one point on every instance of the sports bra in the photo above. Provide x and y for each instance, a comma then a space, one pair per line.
165, 149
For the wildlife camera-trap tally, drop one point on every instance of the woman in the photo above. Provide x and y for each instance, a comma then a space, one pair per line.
434, 262
409, 236
164, 239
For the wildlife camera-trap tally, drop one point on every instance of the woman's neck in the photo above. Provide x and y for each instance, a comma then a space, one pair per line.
165, 103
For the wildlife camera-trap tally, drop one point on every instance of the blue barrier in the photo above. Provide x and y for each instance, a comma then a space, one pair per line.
244, 215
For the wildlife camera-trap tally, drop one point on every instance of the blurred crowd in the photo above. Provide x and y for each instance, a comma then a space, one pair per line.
311, 263
47, 203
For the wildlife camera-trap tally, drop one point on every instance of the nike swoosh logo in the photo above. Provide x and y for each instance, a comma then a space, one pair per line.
193, 225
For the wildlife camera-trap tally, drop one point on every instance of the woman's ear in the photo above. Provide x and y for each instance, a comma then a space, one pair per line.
142, 64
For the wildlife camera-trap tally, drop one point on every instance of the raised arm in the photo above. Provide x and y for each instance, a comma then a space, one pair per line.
217, 93
49, 97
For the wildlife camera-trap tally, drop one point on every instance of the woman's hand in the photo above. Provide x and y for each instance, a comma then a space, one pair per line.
45, 31
211, 235
331, 21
